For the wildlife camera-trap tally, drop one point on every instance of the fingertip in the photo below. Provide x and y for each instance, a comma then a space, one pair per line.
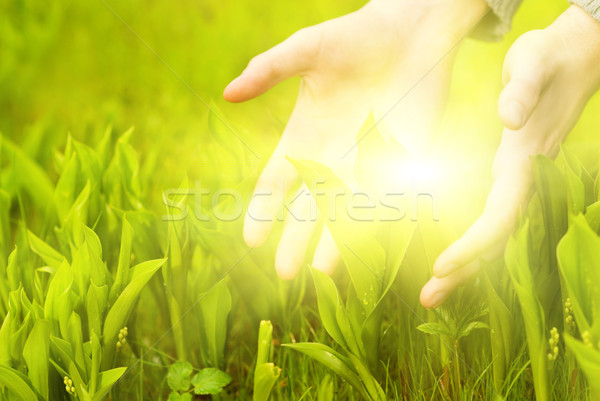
252, 240
325, 264
285, 272
231, 93
431, 296
327, 256
285, 266
424, 297
255, 233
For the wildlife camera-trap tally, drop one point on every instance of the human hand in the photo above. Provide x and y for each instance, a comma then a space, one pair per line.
549, 75
388, 52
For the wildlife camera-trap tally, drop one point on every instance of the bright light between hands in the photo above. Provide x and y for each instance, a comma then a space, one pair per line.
415, 173
421, 171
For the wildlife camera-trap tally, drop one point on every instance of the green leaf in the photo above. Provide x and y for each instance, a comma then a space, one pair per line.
589, 361
4, 227
122, 275
592, 215
71, 232
37, 354
51, 256
179, 376
13, 272
550, 184
265, 338
179, 397
63, 361
67, 187
96, 354
215, 307
466, 330
93, 250
325, 391
75, 337
518, 266
362, 254
95, 303
26, 174
120, 311
118, 314
502, 328
121, 179
372, 386
5, 338
435, 328
265, 377
332, 360
575, 187
329, 302
579, 265
107, 380
58, 305
16, 383
210, 381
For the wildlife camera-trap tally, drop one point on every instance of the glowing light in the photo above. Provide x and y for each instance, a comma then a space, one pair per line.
421, 171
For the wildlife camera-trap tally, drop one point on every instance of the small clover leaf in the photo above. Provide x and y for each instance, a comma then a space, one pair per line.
178, 377
210, 381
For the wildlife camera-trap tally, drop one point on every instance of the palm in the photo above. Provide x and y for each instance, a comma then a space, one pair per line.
362, 62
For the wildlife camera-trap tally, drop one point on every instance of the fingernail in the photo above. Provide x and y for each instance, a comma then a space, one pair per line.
444, 271
438, 298
516, 113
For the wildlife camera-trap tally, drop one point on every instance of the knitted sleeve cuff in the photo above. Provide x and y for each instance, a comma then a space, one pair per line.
591, 6
498, 22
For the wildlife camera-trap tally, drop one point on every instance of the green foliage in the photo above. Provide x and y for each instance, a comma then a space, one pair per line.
535, 255
206, 381
355, 326
265, 372
179, 376
517, 263
61, 322
210, 381
579, 263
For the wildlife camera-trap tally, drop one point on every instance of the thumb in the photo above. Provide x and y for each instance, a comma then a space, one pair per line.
292, 57
524, 80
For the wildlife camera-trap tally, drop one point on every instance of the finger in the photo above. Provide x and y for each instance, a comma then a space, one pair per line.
437, 290
507, 196
298, 230
524, 79
291, 57
274, 183
326, 256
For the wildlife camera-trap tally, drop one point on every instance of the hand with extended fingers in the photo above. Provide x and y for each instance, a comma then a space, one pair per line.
392, 57
549, 75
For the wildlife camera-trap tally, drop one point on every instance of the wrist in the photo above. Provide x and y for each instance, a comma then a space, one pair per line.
454, 18
466, 13
577, 37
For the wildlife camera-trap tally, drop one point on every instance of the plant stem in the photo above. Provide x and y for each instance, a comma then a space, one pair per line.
456, 372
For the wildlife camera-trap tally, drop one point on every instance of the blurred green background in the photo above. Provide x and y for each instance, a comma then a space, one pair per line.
79, 67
